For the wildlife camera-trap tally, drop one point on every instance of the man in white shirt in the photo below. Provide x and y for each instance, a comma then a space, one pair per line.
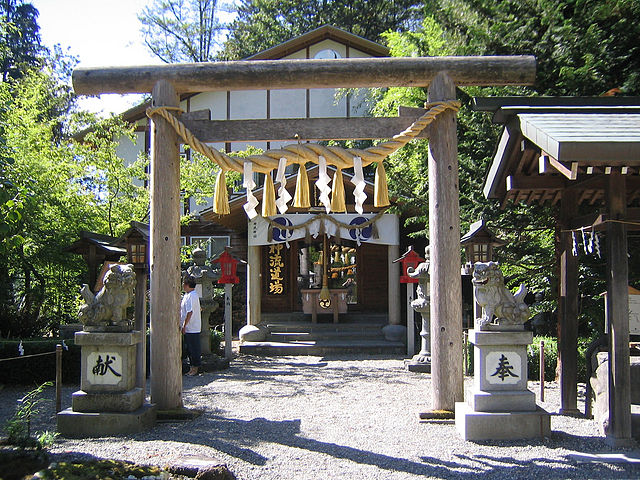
191, 324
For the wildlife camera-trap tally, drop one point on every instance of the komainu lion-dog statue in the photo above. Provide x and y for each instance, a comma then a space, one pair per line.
496, 300
109, 306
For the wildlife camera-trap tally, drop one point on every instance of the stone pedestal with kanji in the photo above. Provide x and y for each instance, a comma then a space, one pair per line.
499, 406
108, 402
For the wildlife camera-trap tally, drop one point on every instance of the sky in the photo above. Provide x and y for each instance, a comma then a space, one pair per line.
100, 33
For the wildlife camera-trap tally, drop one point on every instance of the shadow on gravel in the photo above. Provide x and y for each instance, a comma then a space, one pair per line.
289, 377
236, 438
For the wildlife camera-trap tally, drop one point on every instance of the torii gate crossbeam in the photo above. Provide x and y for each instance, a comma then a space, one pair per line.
166, 82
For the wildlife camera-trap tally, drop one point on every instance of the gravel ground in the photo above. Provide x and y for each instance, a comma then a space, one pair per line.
338, 418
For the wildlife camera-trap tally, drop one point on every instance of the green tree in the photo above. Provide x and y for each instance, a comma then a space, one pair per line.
58, 188
20, 45
261, 24
529, 230
181, 30
583, 47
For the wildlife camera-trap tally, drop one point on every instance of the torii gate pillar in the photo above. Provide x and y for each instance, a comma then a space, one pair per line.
166, 373
444, 238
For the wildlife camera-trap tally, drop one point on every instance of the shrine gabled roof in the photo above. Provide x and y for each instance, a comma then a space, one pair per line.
103, 244
325, 32
549, 144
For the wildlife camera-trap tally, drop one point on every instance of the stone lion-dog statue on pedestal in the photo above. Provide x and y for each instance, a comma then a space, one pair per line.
109, 306
496, 300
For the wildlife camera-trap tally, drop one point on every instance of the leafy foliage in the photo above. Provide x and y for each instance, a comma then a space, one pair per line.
18, 427
20, 46
53, 189
583, 47
181, 30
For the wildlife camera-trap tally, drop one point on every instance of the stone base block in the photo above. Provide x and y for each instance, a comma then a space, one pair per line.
252, 333
394, 333
501, 426
130, 401
83, 425
508, 401
418, 367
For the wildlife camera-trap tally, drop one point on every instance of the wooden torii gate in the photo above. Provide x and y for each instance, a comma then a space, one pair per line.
440, 74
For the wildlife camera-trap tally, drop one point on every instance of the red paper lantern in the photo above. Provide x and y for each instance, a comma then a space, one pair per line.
409, 259
228, 266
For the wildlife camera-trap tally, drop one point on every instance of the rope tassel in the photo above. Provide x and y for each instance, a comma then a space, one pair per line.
221, 196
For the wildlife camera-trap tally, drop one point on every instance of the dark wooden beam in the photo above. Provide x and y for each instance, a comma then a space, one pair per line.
618, 431
568, 308
360, 128
355, 128
307, 73
535, 182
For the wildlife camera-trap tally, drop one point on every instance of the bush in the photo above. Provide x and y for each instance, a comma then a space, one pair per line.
550, 358
217, 337
36, 370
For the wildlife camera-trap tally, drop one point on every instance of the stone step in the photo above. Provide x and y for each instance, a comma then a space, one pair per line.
295, 336
322, 347
307, 327
351, 317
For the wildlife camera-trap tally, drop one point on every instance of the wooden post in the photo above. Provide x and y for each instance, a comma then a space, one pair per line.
166, 371
254, 291
619, 431
140, 324
541, 370
393, 275
568, 308
58, 378
228, 322
444, 239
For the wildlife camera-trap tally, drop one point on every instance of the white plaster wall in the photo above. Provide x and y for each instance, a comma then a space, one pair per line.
248, 104
288, 103
214, 101
129, 151
299, 54
323, 103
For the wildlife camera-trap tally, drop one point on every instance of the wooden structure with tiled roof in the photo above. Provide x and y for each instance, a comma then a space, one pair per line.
583, 155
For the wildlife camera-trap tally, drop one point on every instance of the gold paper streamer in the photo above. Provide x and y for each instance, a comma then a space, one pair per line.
337, 193
381, 190
268, 197
301, 198
221, 197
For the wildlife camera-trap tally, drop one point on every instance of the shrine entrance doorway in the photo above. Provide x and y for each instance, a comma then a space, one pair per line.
295, 270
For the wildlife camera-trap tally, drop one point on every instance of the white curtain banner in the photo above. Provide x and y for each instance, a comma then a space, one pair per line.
386, 231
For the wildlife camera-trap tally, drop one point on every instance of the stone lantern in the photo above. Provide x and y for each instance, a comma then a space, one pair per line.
204, 277
421, 362
479, 242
